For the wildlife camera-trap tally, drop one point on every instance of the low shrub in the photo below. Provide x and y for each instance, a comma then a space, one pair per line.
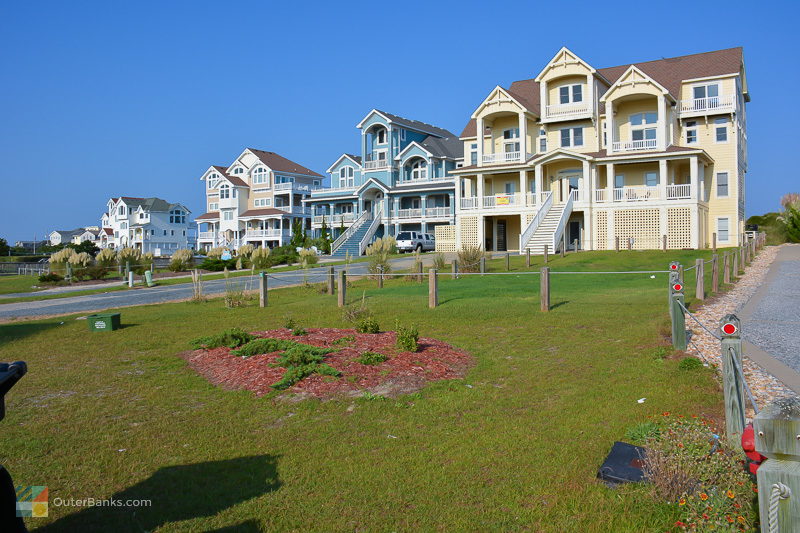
260, 258
289, 322
215, 253
308, 257
343, 341
181, 260
299, 331
262, 346
469, 258
94, 272
216, 264
283, 255
230, 338
690, 363
368, 325
407, 338
107, 257
300, 362
372, 358
52, 277
639, 433
439, 262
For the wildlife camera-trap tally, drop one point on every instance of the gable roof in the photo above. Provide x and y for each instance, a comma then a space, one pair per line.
416, 125
448, 147
151, 204
354, 158
279, 163
70, 232
234, 180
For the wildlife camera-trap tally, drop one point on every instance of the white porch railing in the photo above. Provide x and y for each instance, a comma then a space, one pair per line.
469, 203
537, 220
567, 110
412, 181
266, 234
502, 157
331, 190
366, 215
336, 218
295, 210
679, 192
562, 221
291, 186
630, 146
206, 235
725, 102
437, 212
636, 194
409, 213
376, 164
504, 200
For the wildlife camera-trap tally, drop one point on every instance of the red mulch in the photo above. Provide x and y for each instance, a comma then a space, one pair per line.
401, 373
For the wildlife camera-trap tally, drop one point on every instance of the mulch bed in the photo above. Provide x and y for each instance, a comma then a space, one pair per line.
401, 373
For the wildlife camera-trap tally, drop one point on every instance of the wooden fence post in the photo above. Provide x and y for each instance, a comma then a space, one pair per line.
630, 243
664, 242
575, 244
715, 273
419, 271
735, 265
714, 242
544, 289
726, 268
732, 385
433, 289
508, 262
342, 288
455, 269
616, 244
262, 289
331, 281
777, 432
528, 258
483, 265
678, 317
546, 246
700, 278
380, 277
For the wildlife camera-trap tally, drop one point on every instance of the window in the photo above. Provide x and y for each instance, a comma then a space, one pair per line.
651, 179
165, 232
214, 206
402, 135
121, 210
542, 141
226, 215
177, 216
512, 133
619, 181
473, 154
123, 225
346, 177
262, 202
571, 137
238, 170
172, 232
509, 187
419, 170
709, 90
570, 94
225, 191
213, 179
722, 184
260, 175
642, 127
691, 132
721, 130
723, 229
284, 179
381, 136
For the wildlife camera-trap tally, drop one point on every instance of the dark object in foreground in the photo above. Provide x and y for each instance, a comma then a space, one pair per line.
9, 375
623, 465
104, 321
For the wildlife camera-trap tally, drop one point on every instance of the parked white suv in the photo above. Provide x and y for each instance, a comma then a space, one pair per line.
413, 241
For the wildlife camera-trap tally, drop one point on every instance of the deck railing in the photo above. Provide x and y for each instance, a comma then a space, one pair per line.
564, 111
725, 102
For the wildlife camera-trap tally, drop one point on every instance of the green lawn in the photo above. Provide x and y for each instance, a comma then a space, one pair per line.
513, 446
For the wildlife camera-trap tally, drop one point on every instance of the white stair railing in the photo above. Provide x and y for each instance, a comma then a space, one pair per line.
373, 227
525, 238
352, 229
562, 221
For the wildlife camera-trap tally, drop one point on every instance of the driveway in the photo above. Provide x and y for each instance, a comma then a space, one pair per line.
171, 293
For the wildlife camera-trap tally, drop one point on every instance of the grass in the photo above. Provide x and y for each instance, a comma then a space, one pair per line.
513, 446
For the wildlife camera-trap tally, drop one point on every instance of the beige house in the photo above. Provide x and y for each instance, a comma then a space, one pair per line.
634, 152
255, 200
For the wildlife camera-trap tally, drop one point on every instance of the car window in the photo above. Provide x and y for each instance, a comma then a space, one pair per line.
404, 236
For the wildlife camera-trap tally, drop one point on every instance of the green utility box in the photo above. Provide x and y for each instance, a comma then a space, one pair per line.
103, 321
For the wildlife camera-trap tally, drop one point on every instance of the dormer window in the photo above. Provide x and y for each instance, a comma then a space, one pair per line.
708, 90
260, 175
511, 140
419, 170
213, 180
122, 210
177, 216
570, 94
643, 126
238, 170
346, 177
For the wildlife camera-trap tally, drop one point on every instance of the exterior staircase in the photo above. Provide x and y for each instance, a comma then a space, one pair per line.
351, 240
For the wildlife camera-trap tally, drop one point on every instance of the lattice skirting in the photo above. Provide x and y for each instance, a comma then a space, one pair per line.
445, 238
469, 231
601, 230
640, 224
679, 227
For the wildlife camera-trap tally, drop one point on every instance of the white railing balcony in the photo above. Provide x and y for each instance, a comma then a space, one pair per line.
679, 192
331, 190
710, 104
423, 179
632, 146
409, 213
437, 212
502, 157
499, 201
285, 187
228, 203
264, 234
206, 235
567, 111
600, 195
294, 210
469, 203
636, 194
336, 218
376, 164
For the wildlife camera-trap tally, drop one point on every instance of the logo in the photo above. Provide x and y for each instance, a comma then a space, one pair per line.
31, 500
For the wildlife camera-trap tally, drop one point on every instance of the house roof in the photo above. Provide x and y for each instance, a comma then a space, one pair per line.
669, 72
70, 232
235, 180
151, 204
262, 212
356, 158
416, 125
279, 163
208, 216
449, 147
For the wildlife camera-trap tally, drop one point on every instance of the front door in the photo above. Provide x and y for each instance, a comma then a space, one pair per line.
501, 235
367, 206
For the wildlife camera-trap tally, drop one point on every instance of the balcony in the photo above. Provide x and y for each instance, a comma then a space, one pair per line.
503, 201
422, 179
643, 193
332, 190
567, 111
409, 213
376, 164
205, 236
438, 212
336, 218
633, 146
291, 186
502, 157
711, 104
267, 234
228, 203
294, 210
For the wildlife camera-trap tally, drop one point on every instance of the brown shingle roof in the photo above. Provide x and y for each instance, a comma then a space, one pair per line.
235, 180
208, 216
262, 212
281, 164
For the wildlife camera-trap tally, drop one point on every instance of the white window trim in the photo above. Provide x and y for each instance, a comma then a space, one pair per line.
727, 133
570, 93
706, 84
716, 184
571, 137
385, 137
643, 127
695, 129
716, 229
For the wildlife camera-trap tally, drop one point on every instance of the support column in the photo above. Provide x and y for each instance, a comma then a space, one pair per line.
585, 186
609, 127
523, 137
609, 182
523, 182
661, 129
662, 179
479, 127
538, 180
481, 184
693, 175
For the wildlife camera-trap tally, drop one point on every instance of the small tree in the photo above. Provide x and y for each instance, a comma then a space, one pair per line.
4, 249
791, 216
325, 235
86, 246
298, 234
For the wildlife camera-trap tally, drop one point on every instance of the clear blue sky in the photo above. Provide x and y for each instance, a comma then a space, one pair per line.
102, 99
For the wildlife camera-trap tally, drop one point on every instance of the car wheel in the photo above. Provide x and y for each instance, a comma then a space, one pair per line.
419, 248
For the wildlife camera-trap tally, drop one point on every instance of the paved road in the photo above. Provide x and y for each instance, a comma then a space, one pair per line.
771, 319
170, 293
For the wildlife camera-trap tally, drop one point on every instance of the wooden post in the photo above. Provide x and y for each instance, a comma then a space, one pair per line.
130, 279
419, 271
127, 268
700, 290
575, 245
664, 242
380, 277
546, 246
433, 289
714, 242
616, 243
678, 317
715, 273
508, 262
630, 243
777, 432
454, 264
331, 281
564, 242
726, 268
483, 265
544, 289
735, 265
528, 258
732, 385
342, 288
262, 289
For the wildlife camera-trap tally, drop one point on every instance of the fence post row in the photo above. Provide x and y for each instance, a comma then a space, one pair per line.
342, 288
544, 289
715, 273
262, 289
483, 265
528, 258
508, 261
380, 277
331, 281
726, 268
714, 242
700, 290
546, 246
455, 269
433, 289
733, 387
664, 242
678, 315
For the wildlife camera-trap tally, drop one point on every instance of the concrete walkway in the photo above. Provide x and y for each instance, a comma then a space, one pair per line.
771, 319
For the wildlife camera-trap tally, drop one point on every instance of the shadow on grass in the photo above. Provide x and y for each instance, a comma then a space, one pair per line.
177, 493
559, 304
250, 526
17, 330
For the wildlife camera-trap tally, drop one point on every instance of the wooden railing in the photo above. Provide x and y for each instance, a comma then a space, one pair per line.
502, 157
631, 146
682, 191
567, 110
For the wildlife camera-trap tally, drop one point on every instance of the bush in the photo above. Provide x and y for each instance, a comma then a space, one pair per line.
181, 260
94, 272
61, 257
260, 258
371, 358
407, 338
217, 265
355, 313
300, 361
439, 262
107, 257
690, 363
639, 433
342, 341
283, 255
52, 277
215, 253
791, 216
289, 323
378, 254
245, 250
308, 257
231, 338
298, 331
80, 260
368, 325
469, 258
129, 255
262, 346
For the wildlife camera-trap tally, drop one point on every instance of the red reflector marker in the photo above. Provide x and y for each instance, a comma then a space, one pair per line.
674, 267
729, 329
677, 287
